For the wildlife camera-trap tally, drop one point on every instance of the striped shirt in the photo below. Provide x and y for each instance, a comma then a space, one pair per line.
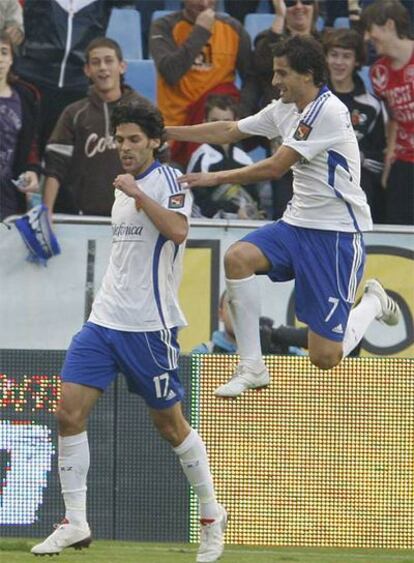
139, 291
326, 191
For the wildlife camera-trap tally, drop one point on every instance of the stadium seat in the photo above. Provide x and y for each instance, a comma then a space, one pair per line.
255, 23
141, 75
125, 28
341, 23
320, 23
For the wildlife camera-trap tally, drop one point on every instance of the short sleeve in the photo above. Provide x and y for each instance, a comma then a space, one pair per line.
174, 197
263, 123
332, 126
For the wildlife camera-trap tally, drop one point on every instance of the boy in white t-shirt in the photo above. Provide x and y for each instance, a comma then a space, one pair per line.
318, 242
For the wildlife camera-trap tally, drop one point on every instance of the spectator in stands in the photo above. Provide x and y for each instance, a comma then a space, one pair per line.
52, 55
225, 201
281, 340
198, 52
81, 152
11, 20
344, 49
19, 162
387, 26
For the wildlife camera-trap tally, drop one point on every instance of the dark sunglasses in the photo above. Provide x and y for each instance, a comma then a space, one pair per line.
291, 3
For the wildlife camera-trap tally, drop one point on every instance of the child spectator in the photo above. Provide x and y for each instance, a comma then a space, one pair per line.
344, 50
225, 201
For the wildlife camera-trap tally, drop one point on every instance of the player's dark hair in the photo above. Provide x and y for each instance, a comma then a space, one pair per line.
304, 54
345, 39
381, 11
223, 102
103, 42
143, 114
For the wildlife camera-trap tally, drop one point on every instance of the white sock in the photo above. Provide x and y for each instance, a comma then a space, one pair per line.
359, 320
73, 470
193, 457
244, 306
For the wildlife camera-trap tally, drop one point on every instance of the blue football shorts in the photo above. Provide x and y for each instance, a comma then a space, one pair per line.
327, 267
148, 360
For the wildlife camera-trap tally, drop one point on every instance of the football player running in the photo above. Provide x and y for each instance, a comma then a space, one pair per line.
133, 329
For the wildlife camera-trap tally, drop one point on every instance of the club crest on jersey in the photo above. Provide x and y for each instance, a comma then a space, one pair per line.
302, 132
176, 201
380, 76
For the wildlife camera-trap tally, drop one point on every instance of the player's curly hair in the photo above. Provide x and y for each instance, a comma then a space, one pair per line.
304, 54
143, 114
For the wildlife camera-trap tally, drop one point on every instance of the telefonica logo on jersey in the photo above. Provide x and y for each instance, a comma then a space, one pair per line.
123, 231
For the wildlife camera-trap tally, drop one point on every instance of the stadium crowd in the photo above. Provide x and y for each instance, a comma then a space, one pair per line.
59, 83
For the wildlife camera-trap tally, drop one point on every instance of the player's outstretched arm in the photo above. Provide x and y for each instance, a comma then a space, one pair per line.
173, 225
271, 168
216, 132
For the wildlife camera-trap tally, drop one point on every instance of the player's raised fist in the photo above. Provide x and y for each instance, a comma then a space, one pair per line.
126, 183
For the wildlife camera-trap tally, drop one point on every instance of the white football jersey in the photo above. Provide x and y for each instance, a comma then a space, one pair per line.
326, 190
139, 291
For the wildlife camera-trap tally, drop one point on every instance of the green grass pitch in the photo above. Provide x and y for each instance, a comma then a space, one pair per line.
14, 550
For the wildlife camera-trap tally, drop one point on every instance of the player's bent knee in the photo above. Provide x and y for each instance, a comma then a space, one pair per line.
325, 361
234, 259
69, 421
169, 432
172, 429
